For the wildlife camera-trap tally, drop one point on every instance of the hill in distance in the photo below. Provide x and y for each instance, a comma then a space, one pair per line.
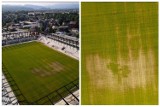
30, 7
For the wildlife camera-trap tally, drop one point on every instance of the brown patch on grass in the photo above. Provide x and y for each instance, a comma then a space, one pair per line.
99, 74
132, 73
40, 72
55, 67
35, 70
142, 68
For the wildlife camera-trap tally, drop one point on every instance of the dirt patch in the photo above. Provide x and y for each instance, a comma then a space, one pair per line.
99, 74
122, 74
35, 70
40, 72
54, 67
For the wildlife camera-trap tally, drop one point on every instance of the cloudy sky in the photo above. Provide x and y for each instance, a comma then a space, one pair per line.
39, 3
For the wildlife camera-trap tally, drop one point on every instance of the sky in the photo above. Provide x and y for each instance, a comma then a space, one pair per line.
40, 3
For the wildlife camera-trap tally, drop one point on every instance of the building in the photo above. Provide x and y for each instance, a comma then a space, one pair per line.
28, 24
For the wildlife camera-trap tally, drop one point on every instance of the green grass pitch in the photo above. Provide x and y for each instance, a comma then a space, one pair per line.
37, 69
119, 53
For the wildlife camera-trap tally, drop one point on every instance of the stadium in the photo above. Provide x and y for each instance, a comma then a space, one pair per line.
39, 69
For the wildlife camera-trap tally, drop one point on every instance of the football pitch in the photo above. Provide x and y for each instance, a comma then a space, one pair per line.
37, 69
119, 53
